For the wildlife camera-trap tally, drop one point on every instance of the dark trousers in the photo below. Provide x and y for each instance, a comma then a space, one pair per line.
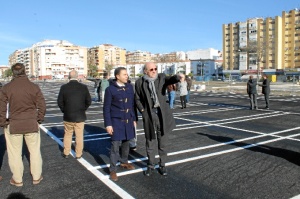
161, 143
183, 101
267, 99
115, 153
253, 101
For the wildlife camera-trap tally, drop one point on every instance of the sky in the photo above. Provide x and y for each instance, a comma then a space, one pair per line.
157, 26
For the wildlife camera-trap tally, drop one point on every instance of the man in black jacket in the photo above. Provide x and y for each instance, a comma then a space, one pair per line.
158, 120
266, 90
252, 92
73, 100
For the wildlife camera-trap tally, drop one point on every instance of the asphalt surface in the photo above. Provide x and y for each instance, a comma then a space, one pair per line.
219, 149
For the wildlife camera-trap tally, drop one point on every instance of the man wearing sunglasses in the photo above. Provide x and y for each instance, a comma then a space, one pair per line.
158, 120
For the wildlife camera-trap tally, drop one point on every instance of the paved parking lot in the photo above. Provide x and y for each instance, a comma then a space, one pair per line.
219, 149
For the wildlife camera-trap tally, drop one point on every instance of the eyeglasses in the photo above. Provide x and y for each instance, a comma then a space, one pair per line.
152, 69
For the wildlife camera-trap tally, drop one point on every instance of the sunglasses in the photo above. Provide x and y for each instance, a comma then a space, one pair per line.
152, 69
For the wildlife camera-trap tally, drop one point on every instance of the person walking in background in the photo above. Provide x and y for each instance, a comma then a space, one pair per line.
171, 94
22, 109
104, 85
73, 100
97, 83
120, 119
189, 86
183, 91
252, 92
266, 89
158, 120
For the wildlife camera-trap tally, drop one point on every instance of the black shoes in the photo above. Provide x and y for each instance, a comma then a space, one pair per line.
163, 170
132, 148
64, 156
149, 171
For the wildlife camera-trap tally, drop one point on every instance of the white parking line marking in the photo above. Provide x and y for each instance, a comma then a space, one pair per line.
113, 186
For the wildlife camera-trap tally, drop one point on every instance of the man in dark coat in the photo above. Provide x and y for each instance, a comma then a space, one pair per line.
158, 121
120, 118
252, 92
266, 90
73, 100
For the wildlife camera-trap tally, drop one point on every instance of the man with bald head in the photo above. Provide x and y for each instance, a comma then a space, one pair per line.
158, 119
73, 100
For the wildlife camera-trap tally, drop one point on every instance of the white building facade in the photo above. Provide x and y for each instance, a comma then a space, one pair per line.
54, 59
202, 54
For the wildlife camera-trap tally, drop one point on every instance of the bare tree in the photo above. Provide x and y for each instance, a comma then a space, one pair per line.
256, 50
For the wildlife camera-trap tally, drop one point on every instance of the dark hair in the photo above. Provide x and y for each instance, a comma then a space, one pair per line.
118, 70
18, 69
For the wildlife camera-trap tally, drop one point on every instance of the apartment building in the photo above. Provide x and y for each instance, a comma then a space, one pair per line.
23, 56
52, 59
56, 58
3, 68
104, 55
263, 43
138, 56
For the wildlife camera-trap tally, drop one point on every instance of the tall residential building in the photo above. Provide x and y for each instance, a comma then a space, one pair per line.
263, 43
52, 59
104, 55
23, 56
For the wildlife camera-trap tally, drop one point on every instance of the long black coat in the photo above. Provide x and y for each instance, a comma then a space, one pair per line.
73, 100
144, 102
266, 87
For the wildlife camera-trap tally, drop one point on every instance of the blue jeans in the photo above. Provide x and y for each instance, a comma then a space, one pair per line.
187, 97
171, 98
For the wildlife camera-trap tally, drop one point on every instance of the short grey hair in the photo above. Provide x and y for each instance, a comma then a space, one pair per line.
73, 74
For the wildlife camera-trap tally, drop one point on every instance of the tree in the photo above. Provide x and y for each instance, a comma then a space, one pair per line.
108, 67
93, 71
7, 73
256, 50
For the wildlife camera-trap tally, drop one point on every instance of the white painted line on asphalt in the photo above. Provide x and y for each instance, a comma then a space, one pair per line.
211, 154
214, 145
113, 186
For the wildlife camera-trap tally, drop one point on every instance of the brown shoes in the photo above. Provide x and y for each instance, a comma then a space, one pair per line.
113, 176
17, 184
35, 182
127, 166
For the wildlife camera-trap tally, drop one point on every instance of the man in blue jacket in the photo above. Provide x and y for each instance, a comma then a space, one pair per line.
73, 100
119, 119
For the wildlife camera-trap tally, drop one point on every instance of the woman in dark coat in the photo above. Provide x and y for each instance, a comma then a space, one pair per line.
119, 119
